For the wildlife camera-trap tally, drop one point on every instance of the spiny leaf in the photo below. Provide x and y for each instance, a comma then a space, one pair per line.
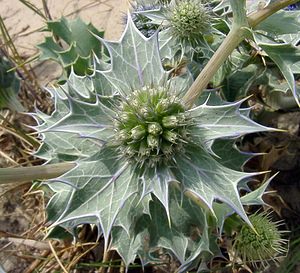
223, 121
9, 87
203, 176
229, 155
100, 187
75, 128
186, 237
222, 211
280, 23
135, 61
285, 56
80, 41
121, 195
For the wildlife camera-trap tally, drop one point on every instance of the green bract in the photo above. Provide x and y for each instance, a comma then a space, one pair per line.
136, 150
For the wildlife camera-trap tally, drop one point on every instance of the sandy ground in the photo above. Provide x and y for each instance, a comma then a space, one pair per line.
24, 25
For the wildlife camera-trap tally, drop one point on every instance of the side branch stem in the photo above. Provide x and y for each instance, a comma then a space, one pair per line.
233, 39
255, 18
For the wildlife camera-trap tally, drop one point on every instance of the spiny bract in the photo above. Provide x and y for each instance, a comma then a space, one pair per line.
133, 104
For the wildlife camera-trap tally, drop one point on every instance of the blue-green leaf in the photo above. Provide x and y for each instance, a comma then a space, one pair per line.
135, 61
285, 56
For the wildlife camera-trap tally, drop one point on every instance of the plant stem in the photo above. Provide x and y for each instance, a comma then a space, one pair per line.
26, 174
233, 39
259, 16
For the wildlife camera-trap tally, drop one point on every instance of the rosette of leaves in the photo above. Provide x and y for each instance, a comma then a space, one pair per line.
9, 86
145, 172
72, 44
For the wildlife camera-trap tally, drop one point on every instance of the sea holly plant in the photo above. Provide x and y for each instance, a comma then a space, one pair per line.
145, 156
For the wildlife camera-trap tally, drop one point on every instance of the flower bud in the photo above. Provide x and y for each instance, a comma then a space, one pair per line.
184, 134
262, 243
167, 149
144, 150
170, 122
129, 151
162, 105
145, 112
122, 136
170, 136
137, 132
117, 124
154, 128
152, 141
134, 103
125, 117
189, 19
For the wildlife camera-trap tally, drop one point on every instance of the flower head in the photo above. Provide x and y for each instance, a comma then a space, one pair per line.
151, 126
189, 19
262, 243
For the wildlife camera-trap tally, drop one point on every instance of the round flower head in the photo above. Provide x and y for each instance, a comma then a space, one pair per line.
189, 19
262, 243
151, 126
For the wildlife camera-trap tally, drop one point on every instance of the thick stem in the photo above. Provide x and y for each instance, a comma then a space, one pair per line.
27, 174
259, 16
233, 39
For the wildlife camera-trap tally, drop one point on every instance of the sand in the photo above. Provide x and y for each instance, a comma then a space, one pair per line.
25, 26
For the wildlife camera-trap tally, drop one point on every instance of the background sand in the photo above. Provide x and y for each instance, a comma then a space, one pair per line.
24, 25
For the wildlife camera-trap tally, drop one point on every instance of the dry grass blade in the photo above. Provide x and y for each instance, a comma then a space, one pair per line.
8, 158
37, 262
18, 132
77, 258
57, 259
30, 243
33, 8
14, 54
